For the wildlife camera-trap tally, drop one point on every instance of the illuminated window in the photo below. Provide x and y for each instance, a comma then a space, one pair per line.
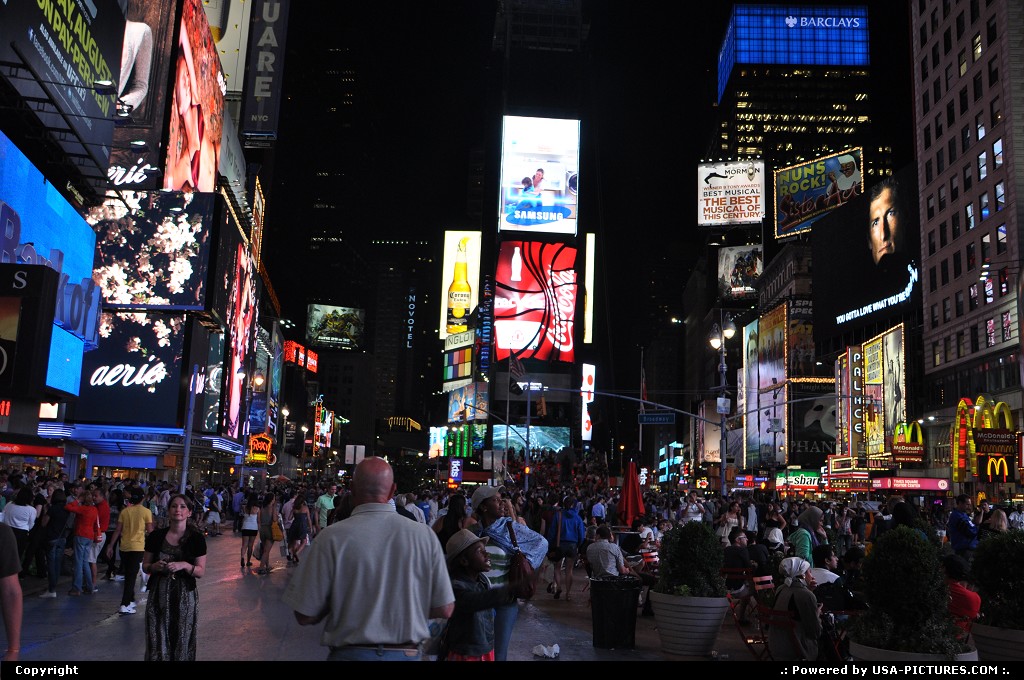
935, 316
997, 153
969, 216
990, 332
979, 126
972, 297
983, 205
1000, 191
1001, 239
982, 165
986, 248
936, 356
976, 46
962, 58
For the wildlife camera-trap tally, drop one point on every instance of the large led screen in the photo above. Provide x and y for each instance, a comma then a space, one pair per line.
460, 291
197, 106
142, 95
134, 376
66, 47
730, 193
469, 403
535, 301
771, 348
872, 247
153, 249
739, 268
750, 387
586, 399
812, 431
540, 437
893, 385
805, 192
334, 327
241, 336
539, 175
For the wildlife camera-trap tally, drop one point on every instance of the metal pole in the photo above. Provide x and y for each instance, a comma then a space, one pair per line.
504, 454
722, 371
526, 457
188, 426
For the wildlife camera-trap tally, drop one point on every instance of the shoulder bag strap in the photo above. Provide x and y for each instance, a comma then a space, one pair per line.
512, 536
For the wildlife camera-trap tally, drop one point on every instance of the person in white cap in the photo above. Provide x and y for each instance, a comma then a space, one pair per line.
470, 634
848, 180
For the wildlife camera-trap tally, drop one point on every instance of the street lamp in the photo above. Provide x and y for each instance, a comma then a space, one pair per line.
720, 332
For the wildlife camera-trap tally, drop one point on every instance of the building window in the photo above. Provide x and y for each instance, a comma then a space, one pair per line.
982, 166
989, 291
997, 153
942, 197
930, 201
947, 41
933, 281
944, 272
954, 187
931, 242
940, 160
1000, 191
976, 47
936, 357
974, 339
927, 136
935, 316
947, 348
952, 149
965, 138
979, 87
949, 76
990, 31
979, 126
972, 297
946, 311
967, 177
986, 249
996, 109
958, 264
993, 71
1004, 281
961, 345
924, 69
972, 257
926, 101
983, 205
962, 58
959, 304
990, 332
942, 235
924, 35
935, 55
961, 26
969, 216
955, 222
929, 172
1001, 239
1007, 327
937, 91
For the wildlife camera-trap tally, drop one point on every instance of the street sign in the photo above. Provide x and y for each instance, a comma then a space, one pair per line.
656, 418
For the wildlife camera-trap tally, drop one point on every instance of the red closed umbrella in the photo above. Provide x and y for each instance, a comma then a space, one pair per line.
632, 501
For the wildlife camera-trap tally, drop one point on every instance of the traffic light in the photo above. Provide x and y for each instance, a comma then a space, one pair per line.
526, 470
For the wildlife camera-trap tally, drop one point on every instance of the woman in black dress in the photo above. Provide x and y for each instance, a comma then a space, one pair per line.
175, 558
298, 532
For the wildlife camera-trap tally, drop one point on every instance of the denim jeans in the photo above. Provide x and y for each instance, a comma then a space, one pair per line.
504, 621
54, 561
83, 550
370, 654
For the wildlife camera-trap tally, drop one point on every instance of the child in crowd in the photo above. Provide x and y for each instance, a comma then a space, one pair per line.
470, 632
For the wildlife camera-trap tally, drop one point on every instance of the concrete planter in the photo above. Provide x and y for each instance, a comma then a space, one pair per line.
861, 652
998, 644
688, 626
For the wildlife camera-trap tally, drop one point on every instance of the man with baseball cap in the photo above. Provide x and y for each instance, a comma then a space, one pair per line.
133, 524
470, 635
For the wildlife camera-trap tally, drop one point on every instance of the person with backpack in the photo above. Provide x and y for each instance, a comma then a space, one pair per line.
565, 536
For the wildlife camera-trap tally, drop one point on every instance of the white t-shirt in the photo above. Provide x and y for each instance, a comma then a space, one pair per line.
19, 516
823, 575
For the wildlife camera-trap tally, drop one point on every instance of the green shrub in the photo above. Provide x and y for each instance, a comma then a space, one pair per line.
690, 562
908, 602
996, 574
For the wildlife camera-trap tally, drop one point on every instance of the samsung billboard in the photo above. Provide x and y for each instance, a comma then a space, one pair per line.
872, 247
540, 160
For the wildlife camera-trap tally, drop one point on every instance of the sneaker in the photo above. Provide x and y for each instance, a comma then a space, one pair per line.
130, 609
49, 593
74, 593
119, 577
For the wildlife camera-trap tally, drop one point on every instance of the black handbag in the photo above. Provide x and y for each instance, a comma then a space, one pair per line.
520, 571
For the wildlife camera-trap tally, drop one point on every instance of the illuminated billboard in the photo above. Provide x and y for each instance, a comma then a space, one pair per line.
812, 428
229, 25
535, 301
800, 339
265, 70
241, 336
66, 49
872, 247
815, 35
805, 192
730, 193
894, 407
135, 375
539, 175
197, 106
589, 291
771, 348
739, 268
142, 95
457, 362
460, 292
540, 437
468, 404
586, 399
153, 249
334, 327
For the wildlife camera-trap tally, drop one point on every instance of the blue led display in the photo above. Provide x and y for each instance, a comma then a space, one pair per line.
64, 370
799, 36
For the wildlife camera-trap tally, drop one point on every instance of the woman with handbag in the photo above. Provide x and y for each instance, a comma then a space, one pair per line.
508, 540
270, 532
175, 557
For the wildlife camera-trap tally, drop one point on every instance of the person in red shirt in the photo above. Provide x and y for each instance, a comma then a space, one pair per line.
87, 532
964, 604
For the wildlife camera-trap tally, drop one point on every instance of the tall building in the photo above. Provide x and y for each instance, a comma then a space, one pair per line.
968, 110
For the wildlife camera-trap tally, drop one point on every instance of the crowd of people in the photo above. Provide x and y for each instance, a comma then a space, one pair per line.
569, 523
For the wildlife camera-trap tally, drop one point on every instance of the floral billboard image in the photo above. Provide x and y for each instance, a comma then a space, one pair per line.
152, 249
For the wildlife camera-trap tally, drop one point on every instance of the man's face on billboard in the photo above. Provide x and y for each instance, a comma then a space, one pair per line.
885, 235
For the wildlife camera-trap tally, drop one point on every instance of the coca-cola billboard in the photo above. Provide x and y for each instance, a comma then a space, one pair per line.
535, 301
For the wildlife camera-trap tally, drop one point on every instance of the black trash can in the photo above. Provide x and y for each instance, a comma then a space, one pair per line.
613, 603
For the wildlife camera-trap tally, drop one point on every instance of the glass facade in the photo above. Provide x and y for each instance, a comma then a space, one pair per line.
808, 36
